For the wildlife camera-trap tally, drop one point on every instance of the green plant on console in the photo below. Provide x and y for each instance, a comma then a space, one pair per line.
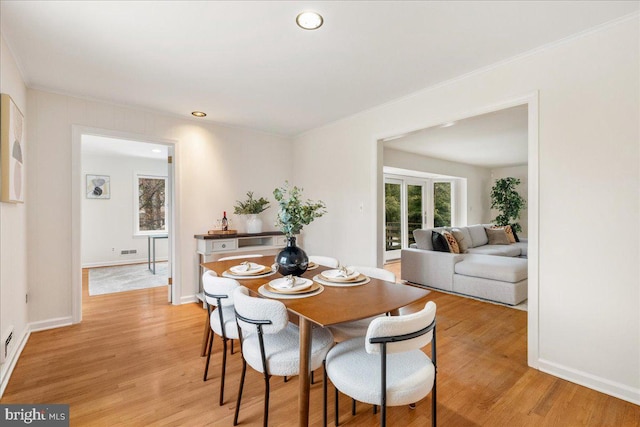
508, 202
294, 213
250, 206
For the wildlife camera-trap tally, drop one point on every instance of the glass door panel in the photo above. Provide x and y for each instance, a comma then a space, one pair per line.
415, 208
392, 218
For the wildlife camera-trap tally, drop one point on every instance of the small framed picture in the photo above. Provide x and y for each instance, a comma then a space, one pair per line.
98, 187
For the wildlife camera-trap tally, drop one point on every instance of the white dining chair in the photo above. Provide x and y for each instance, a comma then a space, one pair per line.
227, 258
387, 367
218, 294
325, 261
270, 343
358, 328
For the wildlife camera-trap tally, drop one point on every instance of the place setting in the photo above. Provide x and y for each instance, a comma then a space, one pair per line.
343, 276
290, 287
249, 270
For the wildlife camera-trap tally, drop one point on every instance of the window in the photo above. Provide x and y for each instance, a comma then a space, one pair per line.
442, 204
150, 204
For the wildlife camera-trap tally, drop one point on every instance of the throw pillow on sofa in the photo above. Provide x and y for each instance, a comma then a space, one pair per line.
497, 236
508, 230
463, 245
439, 242
452, 242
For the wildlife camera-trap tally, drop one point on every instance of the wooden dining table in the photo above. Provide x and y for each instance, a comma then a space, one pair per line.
335, 304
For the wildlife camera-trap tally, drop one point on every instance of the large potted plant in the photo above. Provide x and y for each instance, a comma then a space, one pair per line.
293, 214
508, 202
251, 208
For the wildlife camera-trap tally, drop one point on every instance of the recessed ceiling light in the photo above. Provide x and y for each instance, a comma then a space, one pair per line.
446, 125
309, 20
156, 150
198, 114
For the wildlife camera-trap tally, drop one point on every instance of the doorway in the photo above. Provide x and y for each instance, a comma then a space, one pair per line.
123, 211
474, 211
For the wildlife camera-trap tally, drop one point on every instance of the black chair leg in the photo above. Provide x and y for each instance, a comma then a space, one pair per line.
266, 401
324, 393
433, 405
312, 382
336, 405
375, 409
224, 368
285, 379
244, 371
231, 346
353, 406
209, 350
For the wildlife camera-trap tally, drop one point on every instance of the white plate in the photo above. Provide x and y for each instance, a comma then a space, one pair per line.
262, 291
267, 273
318, 278
336, 274
241, 269
300, 284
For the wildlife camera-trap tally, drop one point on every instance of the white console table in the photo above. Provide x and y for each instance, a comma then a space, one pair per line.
211, 247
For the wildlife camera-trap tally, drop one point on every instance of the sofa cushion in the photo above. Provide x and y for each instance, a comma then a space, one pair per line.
504, 269
478, 235
462, 237
423, 239
497, 236
452, 242
497, 250
523, 248
439, 242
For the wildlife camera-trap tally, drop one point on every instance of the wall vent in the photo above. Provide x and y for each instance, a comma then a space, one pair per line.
128, 251
6, 341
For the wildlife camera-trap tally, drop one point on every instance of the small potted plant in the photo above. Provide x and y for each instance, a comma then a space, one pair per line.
251, 208
293, 214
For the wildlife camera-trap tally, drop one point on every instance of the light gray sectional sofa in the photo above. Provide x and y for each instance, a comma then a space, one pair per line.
491, 272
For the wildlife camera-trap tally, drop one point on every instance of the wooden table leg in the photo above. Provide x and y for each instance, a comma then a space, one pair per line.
305, 372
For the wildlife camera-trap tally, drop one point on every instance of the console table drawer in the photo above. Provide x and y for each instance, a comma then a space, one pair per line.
223, 245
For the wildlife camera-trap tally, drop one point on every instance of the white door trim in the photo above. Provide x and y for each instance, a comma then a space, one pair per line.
76, 210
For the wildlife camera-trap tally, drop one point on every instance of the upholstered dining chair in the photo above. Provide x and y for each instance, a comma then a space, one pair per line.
207, 329
270, 343
326, 261
358, 328
218, 294
387, 367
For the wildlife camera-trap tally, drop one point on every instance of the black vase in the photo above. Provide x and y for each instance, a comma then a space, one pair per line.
292, 259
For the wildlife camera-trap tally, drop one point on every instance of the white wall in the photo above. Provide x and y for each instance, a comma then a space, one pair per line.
13, 231
589, 293
520, 172
216, 165
477, 180
108, 224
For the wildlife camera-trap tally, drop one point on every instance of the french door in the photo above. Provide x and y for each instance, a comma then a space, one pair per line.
411, 204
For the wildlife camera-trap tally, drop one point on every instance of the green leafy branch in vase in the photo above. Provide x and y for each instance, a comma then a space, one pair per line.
294, 213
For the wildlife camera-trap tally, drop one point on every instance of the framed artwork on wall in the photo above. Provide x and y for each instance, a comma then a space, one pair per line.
11, 151
98, 187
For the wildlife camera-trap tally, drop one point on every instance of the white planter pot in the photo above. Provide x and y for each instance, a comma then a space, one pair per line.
254, 224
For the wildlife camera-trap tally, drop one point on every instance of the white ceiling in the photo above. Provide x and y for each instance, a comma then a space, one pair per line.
248, 64
492, 140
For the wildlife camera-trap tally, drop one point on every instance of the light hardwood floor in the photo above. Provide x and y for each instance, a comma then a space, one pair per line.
134, 361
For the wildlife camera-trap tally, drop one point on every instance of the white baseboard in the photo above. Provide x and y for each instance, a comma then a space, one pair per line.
119, 262
612, 388
58, 322
188, 299
9, 365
